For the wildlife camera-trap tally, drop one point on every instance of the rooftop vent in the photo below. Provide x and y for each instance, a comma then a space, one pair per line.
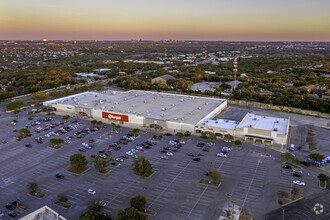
275, 129
175, 118
250, 126
255, 119
148, 114
136, 95
147, 111
140, 113
190, 113
173, 104
95, 95
103, 107
162, 115
181, 100
193, 97
128, 111
206, 103
163, 109
155, 97
203, 123
276, 121
182, 119
124, 110
116, 103
145, 101
134, 112
85, 104
133, 105
75, 100
114, 93
113, 106
199, 108
125, 99
216, 122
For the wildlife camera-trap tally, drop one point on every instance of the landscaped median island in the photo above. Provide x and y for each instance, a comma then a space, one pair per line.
33, 190
214, 179
62, 201
78, 164
56, 143
284, 198
323, 179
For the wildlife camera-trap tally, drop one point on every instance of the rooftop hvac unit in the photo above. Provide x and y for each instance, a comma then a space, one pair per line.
148, 114
124, 110
190, 113
162, 115
181, 100
175, 118
134, 112
140, 113
103, 107
85, 104
163, 109
128, 111
182, 119
147, 111
145, 101
114, 93
125, 99
275, 129
133, 105
173, 104
216, 122
199, 108
116, 103
75, 100
136, 95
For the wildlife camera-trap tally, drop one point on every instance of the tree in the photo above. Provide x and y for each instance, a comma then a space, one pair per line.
113, 125
317, 157
99, 123
287, 156
16, 111
39, 96
78, 161
238, 142
139, 202
179, 135
24, 132
33, 187
215, 177
62, 197
154, 137
187, 134
118, 127
94, 122
130, 214
101, 164
323, 179
92, 215
244, 215
56, 141
160, 137
295, 190
136, 131
94, 206
142, 167
228, 138
14, 105
66, 117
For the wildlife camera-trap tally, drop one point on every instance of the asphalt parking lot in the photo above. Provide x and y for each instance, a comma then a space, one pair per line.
174, 192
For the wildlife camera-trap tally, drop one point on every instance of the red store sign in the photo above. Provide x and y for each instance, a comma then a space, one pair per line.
115, 117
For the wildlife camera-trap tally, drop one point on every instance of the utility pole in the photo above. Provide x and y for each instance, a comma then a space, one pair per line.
283, 214
235, 70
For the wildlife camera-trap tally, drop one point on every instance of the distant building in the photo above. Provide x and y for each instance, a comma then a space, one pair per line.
210, 72
161, 79
88, 75
44, 213
101, 70
122, 74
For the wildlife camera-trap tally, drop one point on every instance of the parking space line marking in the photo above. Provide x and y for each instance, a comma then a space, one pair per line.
197, 201
255, 172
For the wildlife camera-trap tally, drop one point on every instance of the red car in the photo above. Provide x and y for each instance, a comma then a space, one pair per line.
37, 131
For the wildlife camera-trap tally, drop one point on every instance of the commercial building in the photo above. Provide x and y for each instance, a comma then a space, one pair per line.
172, 113
162, 111
44, 213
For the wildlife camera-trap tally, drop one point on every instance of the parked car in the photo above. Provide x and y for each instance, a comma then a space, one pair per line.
169, 154
119, 160
91, 192
296, 174
1, 214
196, 159
3, 141
300, 183
164, 157
60, 176
28, 145
101, 203
12, 214
10, 206
82, 149
163, 151
191, 155
222, 155
287, 167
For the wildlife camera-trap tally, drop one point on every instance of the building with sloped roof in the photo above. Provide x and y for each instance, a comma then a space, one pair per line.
161, 79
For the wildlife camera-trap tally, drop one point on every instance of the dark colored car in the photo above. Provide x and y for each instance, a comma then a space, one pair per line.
200, 154
10, 206
28, 145
82, 149
305, 163
163, 151
147, 147
114, 164
60, 176
205, 149
168, 134
191, 155
296, 174
287, 167
196, 159
12, 214
166, 148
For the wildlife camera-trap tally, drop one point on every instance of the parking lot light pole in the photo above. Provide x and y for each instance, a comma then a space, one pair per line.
228, 195
283, 214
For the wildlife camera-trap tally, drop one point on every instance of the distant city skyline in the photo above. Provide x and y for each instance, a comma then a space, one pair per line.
227, 20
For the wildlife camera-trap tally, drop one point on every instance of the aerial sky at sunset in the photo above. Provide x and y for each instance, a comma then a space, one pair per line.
165, 19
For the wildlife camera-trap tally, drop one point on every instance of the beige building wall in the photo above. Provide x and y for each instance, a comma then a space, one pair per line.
158, 80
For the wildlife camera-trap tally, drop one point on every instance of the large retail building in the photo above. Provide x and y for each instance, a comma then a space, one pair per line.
171, 113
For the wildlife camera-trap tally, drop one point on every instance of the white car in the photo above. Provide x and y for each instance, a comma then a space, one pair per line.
91, 191
222, 155
47, 135
164, 157
169, 154
119, 160
129, 153
298, 182
182, 142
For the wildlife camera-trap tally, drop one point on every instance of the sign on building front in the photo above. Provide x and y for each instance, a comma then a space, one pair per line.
115, 117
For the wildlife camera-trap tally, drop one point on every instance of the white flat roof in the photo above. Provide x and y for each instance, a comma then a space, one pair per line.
155, 105
220, 123
264, 123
